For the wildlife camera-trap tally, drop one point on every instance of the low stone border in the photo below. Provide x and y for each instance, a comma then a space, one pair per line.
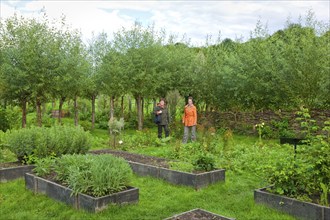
299, 209
80, 201
206, 215
12, 173
178, 177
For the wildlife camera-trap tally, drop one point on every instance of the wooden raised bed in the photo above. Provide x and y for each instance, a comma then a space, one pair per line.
197, 214
299, 209
196, 180
79, 201
178, 177
14, 171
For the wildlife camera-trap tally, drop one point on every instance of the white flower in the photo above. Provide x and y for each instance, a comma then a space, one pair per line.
120, 142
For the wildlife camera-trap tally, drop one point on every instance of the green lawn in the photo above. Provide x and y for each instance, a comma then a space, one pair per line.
158, 200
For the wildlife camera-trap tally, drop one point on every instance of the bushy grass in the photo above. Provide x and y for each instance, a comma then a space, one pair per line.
41, 142
96, 175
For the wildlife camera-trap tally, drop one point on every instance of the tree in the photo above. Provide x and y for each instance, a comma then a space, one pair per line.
97, 49
142, 54
27, 70
112, 81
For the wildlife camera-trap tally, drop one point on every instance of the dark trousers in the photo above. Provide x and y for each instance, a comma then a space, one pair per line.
160, 130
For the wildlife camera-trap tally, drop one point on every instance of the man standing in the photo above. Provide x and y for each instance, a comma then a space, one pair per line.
161, 110
189, 120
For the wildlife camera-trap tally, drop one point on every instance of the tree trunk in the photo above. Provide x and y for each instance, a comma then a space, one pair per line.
139, 112
93, 111
44, 108
23, 113
76, 113
129, 105
122, 106
39, 114
60, 109
112, 107
142, 112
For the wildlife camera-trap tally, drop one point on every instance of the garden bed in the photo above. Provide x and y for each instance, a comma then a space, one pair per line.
79, 201
299, 209
198, 214
13, 170
158, 167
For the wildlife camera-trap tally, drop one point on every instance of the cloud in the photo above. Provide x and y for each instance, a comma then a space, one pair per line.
196, 19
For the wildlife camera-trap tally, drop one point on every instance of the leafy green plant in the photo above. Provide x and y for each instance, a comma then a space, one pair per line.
307, 173
324, 194
181, 166
204, 162
4, 122
227, 138
308, 125
97, 175
162, 141
282, 127
260, 127
42, 142
44, 166
115, 127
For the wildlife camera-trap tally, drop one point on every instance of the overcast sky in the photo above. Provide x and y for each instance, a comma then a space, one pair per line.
195, 19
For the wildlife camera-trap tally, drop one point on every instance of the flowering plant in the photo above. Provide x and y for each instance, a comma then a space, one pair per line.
259, 127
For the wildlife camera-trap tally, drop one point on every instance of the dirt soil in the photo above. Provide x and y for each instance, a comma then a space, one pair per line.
150, 160
197, 214
11, 164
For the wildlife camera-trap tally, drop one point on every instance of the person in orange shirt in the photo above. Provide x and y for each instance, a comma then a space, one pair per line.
189, 120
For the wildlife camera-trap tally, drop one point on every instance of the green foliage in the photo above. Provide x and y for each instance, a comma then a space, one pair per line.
324, 194
86, 125
116, 126
204, 162
196, 154
162, 141
43, 142
308, 125
282, 128
181, 166
44, 166
307, 173
97, 175
4, 122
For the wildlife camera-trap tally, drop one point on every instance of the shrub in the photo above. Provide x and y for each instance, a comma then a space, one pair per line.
43, 142
204, 162
4, 122
197, 154
22, 142
86, 125
304, 174
97, 175
44, 166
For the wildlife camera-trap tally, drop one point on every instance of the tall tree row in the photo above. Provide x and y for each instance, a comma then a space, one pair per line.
41, 63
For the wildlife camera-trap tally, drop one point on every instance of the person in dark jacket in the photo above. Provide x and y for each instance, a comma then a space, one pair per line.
162, 111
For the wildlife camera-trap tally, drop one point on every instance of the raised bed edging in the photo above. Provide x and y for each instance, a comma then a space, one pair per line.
12, 173
178, 177
215, 216
79, 201
299, 209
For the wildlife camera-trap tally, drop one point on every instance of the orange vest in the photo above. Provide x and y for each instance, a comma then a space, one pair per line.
190, 115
